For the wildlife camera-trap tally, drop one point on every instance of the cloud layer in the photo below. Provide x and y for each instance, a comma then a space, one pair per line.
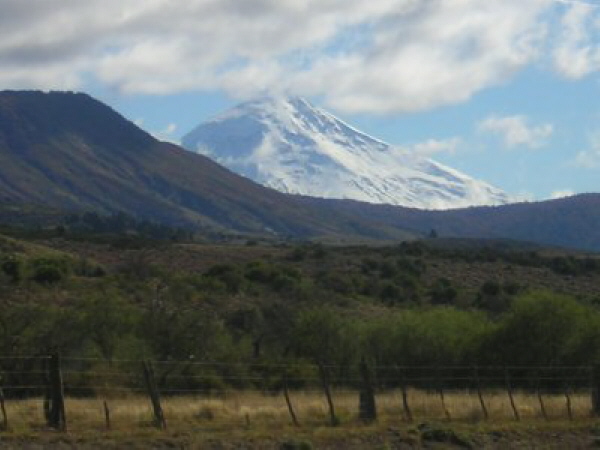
377, 56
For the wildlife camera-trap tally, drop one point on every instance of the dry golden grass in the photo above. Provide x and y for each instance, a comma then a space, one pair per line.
262, 411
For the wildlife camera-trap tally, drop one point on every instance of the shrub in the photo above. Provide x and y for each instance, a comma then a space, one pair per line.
49, 269
390, 293
227, 274
13, 268
442, 292
47, 274
490, 288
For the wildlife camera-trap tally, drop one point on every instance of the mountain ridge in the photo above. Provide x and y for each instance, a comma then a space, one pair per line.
571, 222
69, 152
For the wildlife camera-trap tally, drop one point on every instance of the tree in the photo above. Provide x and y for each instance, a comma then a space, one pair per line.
326, 338
542, 328
107, 319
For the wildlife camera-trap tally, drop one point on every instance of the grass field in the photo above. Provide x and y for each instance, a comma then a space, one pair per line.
255, 420
255, 410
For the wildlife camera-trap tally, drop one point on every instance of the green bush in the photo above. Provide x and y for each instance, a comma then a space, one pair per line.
12, 267
442, 292
47, 274
491, 288
229, 275
49, 269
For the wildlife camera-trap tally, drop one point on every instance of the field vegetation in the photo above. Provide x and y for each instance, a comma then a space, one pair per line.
229, 323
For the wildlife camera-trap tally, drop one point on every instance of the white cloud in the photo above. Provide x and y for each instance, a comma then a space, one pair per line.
376, 56
590, 158
440, 53
578, 52
515, 131
562, 193
170, 129
433, 146
166, 134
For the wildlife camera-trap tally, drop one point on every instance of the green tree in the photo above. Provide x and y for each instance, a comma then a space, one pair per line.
542, 328
326, 338
107, 319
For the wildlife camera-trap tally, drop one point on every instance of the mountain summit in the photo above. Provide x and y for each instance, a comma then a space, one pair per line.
292, 146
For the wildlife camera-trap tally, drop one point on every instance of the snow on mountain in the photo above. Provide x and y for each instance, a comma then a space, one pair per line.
294, 147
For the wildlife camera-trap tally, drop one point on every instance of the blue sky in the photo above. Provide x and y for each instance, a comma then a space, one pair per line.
504, 90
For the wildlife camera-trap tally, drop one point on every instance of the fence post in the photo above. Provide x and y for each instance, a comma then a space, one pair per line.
325, 382
367, 407
596, 390
48, 390
541, 398
440, 389
3, 408
407, 413
56, 414
568, 402
106, 415
288, 401
159, 418
510, 395
479, 394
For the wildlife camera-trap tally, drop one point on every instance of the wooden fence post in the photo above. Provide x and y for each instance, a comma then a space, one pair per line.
510, 395
48, 390
596, 390
367, 407
541, 398
479, 394
568, 402
288, 401
440, 389
3, 408
407, 413
324, 374
56, 415
106, 415
159, 418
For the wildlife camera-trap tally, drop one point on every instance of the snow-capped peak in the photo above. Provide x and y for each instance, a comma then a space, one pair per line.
290, 145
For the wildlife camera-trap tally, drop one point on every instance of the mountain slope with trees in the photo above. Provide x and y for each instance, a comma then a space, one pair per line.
568, 222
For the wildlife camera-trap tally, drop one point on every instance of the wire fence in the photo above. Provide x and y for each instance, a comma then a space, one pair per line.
99, 393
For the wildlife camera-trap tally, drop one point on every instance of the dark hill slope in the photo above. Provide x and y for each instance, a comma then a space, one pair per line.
569, 222
69, 151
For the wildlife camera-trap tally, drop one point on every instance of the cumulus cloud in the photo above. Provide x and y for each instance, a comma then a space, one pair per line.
166, 134
434, 146
375, 56
562, 193
516, 131
441, 52
590, 158
578, 51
